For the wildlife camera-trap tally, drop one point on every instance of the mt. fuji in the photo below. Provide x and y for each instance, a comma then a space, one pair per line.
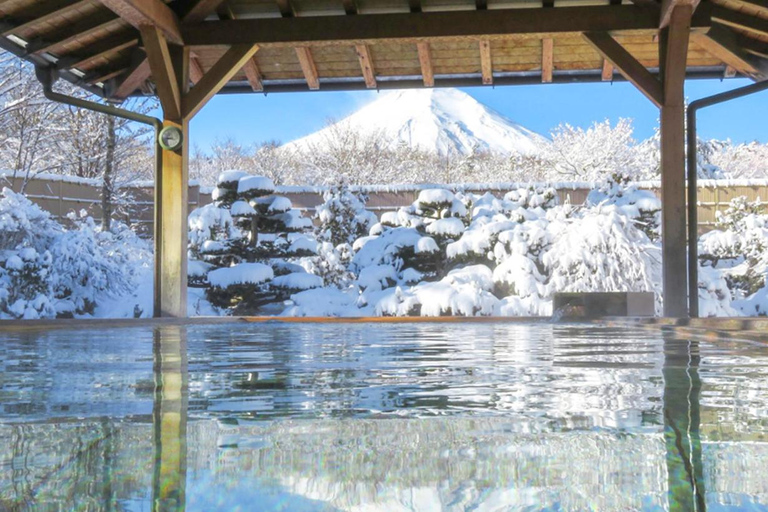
444, 121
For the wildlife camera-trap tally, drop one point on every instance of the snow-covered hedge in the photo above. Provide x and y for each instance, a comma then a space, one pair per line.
47, 270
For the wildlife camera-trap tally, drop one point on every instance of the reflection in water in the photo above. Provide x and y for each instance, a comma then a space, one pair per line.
500, 417
682, 419
169, 418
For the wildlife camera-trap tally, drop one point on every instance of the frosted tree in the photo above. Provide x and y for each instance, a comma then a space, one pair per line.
248, 244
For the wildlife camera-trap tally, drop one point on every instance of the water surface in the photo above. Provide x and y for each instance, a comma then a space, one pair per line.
381, 417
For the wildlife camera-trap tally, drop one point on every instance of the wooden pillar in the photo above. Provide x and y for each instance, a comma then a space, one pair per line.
673, 51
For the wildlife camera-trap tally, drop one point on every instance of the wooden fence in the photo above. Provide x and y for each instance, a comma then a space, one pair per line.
62, 195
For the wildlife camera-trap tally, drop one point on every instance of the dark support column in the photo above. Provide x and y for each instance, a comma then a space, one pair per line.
673, 50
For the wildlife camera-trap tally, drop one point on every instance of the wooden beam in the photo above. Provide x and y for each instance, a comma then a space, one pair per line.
40, 13
308, 67
163, 72
425, 61
676, 57
216, 78
721, 42
84, 27
607, 74
102, 75
747, 22
486, 62
253, 75
668, 6
201, 10
286, 8
141, 13
729, 72
98, 50
484, 24
547, 60
627, 65
350, 6
366, 64
133, 79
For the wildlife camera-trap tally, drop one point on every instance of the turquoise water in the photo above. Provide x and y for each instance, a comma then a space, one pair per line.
482, 417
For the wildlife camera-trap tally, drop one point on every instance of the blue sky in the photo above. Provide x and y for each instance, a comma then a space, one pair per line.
255, 117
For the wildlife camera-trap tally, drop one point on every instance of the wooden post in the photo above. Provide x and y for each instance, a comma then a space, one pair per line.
673, 50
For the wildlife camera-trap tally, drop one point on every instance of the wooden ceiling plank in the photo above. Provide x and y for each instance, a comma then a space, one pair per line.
132, 80
99, 49
547, 60
163, 72
607, 74
43, 12
486, 62
366, 65
740, 20
201, 10
425, 61
84, 27
308, 67
413, 27
140, 13
627, 65
216, 78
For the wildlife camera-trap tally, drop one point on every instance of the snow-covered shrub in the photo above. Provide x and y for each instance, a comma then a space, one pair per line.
738, 251
640, 205
47, 270
246, 246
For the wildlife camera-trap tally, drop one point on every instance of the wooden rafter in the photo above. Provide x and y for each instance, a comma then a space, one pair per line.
486, 62
133, 79
722, 43
425, 61
195, 68
201, 10
98, 50
308, 67
251, 67
762, 5
547, 59
42, 12
141, 13
607, 73
366, 65
163, 71
730, 72
216, 78
286, 8
668, 6
627, 65
350, 6
102, 75
739, 20
84, 27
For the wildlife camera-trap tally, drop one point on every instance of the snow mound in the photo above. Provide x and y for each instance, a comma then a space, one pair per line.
255, 185
242, 273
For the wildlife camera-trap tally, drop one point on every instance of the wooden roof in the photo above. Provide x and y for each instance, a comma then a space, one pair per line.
359, 44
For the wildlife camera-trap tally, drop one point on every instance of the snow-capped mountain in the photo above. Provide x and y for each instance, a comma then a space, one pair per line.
446, 121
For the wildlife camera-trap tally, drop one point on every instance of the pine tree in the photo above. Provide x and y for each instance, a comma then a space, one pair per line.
252, 239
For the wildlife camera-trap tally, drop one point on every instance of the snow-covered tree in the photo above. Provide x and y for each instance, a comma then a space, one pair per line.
248, 244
